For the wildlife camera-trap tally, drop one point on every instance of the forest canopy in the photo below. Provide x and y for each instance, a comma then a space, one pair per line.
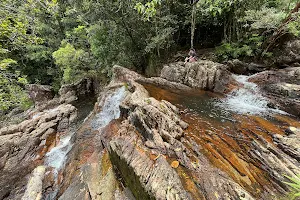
55, 42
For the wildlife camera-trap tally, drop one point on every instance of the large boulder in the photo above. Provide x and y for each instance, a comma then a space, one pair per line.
40, 93
71, 92
282, 87
205, 75
290, 53
238, 67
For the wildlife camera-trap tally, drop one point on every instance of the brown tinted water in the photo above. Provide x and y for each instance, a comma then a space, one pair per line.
226, 138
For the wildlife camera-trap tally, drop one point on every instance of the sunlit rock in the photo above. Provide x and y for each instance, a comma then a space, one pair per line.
205, 75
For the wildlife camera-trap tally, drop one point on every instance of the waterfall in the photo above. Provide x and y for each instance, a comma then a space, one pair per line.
110, 109
57, 156
247, 99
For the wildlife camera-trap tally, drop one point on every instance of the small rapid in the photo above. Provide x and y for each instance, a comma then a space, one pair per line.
110, 109
247, 99
57, 157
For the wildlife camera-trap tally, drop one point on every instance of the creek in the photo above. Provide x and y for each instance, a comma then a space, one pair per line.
225, 127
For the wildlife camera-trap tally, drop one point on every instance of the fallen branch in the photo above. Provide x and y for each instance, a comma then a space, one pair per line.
281, 29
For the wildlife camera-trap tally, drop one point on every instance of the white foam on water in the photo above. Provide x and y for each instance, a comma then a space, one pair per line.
57, 156
247, 99
110, 109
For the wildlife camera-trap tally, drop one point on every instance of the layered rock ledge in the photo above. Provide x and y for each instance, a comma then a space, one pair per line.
23, 146
203, 74
282, 87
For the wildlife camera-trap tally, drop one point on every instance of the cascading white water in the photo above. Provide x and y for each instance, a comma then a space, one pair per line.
247, 99
110, 109
56, 158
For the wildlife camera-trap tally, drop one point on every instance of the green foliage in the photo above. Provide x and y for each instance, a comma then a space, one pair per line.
265, 18
6, 63
72, 62
294, 26
248, 47
294, 185
55, 42
109, 45
149, 9
12, 94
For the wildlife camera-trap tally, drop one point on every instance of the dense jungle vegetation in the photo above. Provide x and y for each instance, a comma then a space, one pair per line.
55, 42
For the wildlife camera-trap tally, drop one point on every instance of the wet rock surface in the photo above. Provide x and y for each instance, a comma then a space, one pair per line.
149, 140
205, 75
23, 147
282, 87
136, 144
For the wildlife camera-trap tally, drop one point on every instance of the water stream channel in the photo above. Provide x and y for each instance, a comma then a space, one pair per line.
224, 127
228, 129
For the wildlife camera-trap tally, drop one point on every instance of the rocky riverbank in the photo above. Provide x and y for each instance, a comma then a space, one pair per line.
159, 138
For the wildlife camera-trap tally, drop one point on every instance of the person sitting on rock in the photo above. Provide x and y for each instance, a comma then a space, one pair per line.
192, 56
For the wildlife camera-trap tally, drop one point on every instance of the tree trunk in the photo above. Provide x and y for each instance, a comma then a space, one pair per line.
193, 24
280, 30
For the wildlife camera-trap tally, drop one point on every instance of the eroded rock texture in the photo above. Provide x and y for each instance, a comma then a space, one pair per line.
149, 140
282, 87
205, 75
40, 93
23, 146
136, 144
290, 53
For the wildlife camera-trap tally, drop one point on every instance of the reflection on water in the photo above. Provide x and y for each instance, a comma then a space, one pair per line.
225, 136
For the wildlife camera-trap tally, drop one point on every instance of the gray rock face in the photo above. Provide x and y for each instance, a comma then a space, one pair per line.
290, 53
238, 67
35, 184
20, 146
205, 75
282, 87
81, 88
290, 144
156, 177
40, 93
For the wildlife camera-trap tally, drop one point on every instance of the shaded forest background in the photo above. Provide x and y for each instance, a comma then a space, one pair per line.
56, 42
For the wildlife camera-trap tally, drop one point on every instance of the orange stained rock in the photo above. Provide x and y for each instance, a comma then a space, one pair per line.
268, 126
240, 165
105, 163
152, 156
87, 148
288, 120
189, 184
